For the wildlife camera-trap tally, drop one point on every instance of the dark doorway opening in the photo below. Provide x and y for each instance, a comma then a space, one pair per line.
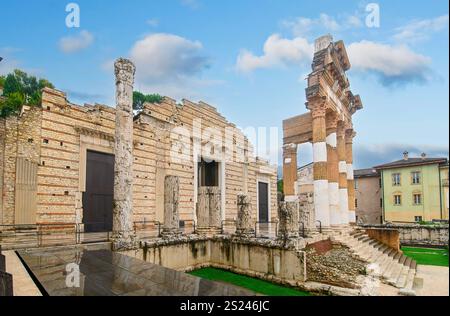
208, 173
263, 201
98, 198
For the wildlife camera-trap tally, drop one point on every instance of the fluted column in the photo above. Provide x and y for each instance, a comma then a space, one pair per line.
343, 185
289, 171
333, 171
350, 134
319, 129
123, 236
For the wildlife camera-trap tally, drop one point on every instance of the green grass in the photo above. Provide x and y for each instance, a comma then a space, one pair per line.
256, 285
427, 256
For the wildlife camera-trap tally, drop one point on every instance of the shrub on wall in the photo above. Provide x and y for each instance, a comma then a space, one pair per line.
139, 99
19, 89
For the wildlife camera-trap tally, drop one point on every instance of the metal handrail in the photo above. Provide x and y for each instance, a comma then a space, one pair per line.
194, 224
148, 222
320, 226
79, 231
303, 229
40, 230
51, 230
270, 222
222, 225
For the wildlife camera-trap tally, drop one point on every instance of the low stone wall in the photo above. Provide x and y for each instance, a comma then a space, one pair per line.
387, 236
265, 259
417, 235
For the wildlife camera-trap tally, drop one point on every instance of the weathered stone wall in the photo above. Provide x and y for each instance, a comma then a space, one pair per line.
63, 132
200, 119
267, 261
19, 138
368, 194
9, 170
2, 161
388, 237
418, 235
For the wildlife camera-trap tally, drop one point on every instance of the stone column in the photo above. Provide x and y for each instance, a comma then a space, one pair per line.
307, 213
289, 170
289, 226
333, 171
209, 215
245, 223
171, 225
343, 191
203, 207
350, 134
215, 208
319, 129
123, 236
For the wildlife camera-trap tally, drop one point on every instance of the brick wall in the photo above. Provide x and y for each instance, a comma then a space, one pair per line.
58, 134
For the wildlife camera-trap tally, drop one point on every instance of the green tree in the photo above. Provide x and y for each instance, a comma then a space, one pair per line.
19, 88
280, 186
2, 81
139, 99
11, 104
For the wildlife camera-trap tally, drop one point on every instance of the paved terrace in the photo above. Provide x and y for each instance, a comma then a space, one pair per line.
107, 273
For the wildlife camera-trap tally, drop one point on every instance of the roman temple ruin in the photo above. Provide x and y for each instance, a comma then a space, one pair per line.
177, 187
328, 125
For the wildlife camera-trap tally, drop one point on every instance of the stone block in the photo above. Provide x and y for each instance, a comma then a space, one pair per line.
6, 284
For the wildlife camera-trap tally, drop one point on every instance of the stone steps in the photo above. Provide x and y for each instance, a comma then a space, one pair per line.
391, 266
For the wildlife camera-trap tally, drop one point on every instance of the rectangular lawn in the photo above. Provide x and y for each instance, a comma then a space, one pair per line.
256, 285
427, 256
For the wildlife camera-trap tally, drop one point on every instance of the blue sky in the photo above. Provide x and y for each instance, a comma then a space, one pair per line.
249, 58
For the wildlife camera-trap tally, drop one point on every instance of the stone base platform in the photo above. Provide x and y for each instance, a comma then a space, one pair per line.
75, 271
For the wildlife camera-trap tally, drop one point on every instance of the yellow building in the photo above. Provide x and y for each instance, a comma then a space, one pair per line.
444, 184
415, 189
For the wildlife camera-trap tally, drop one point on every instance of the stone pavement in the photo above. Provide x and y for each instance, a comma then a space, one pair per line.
435, 281
23, 285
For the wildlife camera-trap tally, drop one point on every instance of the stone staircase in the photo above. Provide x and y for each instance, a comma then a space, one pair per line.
391, 266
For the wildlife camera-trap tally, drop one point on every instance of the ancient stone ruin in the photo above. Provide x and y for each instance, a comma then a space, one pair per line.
328, 125
167, 180
171, 225
123, 233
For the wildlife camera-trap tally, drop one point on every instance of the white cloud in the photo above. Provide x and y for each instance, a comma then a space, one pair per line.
329, 22
278, 52
167, 57
354, 21
169, 64
73, 44
302, 26
392, 64
370, 155
9, 62
421, 29
193, 4
153, 22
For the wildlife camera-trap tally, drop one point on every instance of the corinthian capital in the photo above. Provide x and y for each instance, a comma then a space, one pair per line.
124, 70
318, 109
349, 135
